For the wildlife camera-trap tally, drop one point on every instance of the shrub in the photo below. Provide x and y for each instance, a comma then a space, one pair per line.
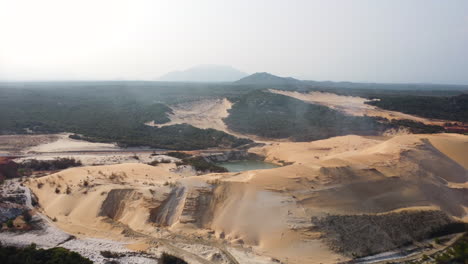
32, 255
154, 163
170, 259
10, 224
27, 216
110, 254
45, 165
179, 155
200, 164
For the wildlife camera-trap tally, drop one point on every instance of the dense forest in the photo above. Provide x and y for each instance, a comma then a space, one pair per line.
117, 111
453, 108
118, 117
277, 116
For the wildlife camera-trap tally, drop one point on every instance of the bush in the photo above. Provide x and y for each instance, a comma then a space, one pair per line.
110, 254
32, 255
45, 165
170, 259
154, 163
457, 253
10, 224
27, 216
200, 164
179, 155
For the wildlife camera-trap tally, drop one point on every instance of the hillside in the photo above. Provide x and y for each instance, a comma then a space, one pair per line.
264, 78
272, 115
204, 73
449, 108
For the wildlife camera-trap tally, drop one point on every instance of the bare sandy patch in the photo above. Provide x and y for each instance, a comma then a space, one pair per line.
202, 114
65, 144
353, 105
15, 144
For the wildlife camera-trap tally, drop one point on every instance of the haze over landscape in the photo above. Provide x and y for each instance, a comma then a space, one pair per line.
234, 132
393, 41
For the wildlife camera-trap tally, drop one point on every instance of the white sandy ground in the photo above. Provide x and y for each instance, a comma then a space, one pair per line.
208, 113
35, 144
89, 159
353, 105
50, 236
264, 212
66, 144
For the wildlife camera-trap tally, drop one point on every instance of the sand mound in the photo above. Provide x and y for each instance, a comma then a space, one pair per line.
270, 210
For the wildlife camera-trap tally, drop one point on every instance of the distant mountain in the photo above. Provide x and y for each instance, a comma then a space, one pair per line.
261, 78
204, 73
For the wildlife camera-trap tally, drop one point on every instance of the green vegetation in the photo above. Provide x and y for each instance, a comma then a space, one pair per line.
456, 254
179, 155
117, 111
27, 216
45, 165
277, 116
200, 164
449, 108
10, 224
104, 115
110, 254
414, 127
32, 255
170, 259
383, 232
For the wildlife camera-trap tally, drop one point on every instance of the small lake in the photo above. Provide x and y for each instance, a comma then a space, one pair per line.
245, 165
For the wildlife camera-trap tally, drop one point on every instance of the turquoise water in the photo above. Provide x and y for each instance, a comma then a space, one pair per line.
245, 165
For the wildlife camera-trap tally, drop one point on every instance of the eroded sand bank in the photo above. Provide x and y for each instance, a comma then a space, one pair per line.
264, 212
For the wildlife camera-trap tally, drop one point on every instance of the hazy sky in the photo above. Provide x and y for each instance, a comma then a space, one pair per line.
353, 40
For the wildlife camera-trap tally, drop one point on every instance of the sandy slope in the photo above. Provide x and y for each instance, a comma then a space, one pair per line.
207, 113
268, 210
354, 105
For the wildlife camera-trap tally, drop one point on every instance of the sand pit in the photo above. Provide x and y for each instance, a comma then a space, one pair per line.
349, 175
353, 105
